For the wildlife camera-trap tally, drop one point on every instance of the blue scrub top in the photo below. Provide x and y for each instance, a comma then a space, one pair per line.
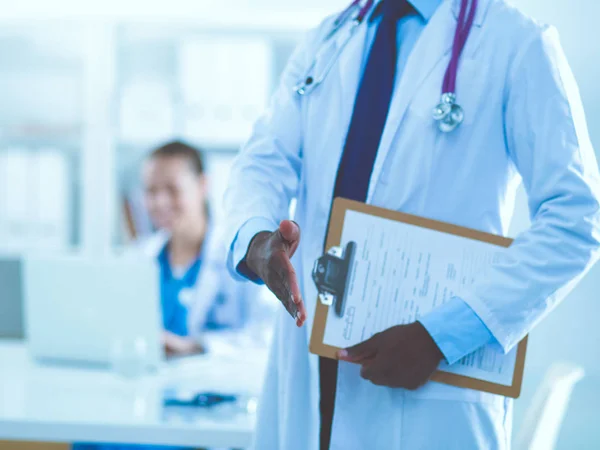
174, 312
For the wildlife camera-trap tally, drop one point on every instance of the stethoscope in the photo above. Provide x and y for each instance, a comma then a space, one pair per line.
448, 114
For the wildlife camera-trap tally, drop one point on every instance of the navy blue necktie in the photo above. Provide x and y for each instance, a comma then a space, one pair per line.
362, 141
371, 106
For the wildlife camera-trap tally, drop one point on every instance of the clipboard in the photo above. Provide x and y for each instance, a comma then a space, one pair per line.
330, 275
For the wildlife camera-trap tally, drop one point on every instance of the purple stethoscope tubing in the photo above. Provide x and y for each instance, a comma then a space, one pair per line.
463, 28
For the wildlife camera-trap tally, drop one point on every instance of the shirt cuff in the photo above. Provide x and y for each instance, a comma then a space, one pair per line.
241, 242
456, 329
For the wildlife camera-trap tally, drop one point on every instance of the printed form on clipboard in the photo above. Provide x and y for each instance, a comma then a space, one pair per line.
385, 268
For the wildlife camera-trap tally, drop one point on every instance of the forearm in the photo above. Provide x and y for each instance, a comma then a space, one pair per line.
535, 275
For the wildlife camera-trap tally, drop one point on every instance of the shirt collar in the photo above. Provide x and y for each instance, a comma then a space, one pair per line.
425, 8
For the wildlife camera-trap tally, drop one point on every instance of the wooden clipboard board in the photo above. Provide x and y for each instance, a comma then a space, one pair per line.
334, 234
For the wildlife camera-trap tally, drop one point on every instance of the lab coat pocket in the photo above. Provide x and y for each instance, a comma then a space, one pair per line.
470, 90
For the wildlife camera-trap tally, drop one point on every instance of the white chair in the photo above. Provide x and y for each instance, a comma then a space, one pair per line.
544, 416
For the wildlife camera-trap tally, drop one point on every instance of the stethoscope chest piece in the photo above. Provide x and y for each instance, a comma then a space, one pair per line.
448, 113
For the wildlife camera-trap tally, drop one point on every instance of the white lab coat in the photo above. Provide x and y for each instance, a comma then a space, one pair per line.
523, 119
245, 310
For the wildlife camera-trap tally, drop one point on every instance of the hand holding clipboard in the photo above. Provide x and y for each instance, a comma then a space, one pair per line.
402, 267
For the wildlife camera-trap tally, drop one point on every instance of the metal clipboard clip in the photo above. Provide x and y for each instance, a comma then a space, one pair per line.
331, 276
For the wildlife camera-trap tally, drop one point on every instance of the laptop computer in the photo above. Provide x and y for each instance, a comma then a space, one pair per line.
92, 311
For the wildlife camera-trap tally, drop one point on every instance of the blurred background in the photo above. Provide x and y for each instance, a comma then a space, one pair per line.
87, 88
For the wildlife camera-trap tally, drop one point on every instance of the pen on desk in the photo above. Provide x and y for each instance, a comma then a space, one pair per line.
202, 400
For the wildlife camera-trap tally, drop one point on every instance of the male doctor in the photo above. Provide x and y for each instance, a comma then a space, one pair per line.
367, 133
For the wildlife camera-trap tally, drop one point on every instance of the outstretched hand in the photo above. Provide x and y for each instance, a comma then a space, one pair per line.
269, 257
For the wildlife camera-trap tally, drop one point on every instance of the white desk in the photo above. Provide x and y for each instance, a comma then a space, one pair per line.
65, 404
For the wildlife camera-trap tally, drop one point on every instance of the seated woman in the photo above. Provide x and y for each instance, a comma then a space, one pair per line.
200, 303
197, 295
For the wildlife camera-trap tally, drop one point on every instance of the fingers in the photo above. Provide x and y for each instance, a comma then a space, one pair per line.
378, 372
382, 372
290, 233
296, 296
360, 352
278, 285
284, 284
277, 272
368, 371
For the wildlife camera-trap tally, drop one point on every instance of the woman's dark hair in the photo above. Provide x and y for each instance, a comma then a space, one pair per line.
193, 155
180, 149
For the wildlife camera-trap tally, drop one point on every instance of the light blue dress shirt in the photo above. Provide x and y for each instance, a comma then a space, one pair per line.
454, 326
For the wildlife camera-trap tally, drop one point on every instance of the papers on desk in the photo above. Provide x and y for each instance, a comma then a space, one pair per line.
403, 268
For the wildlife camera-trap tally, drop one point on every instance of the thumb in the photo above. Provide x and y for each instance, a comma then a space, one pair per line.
365, 350
290, 233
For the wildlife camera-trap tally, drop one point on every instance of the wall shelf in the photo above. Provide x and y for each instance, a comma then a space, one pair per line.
96, 57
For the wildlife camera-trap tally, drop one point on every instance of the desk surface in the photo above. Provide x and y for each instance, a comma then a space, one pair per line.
66, 404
